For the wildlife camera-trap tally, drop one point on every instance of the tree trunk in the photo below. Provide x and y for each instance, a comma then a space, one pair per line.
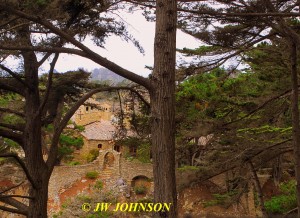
32, 141
259, 190
163, 107
38, 206
33, 144
295, 116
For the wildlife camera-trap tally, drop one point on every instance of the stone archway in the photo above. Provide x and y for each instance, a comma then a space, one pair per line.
109, 160
141, 184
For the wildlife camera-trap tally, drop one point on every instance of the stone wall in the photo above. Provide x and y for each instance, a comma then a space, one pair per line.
93, 144
84, 117
64, 176
134, 168
89, 145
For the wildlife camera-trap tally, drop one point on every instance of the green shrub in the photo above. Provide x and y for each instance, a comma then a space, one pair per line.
140, 190
92, 155
84, 198
71, 141
92, 175
281, 204
74, 163
220, 199
98, 185
80, 128
284, 202
187, 168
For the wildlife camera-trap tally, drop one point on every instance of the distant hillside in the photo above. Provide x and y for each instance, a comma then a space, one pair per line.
103, 74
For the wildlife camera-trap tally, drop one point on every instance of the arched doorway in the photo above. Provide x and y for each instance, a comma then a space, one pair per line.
109, 160
141, 185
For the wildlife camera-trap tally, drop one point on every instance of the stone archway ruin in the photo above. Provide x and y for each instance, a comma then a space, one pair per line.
109, 160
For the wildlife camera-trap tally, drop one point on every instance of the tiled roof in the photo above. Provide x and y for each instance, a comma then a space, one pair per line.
102, 130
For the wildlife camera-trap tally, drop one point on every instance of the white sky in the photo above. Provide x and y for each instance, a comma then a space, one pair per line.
125, 53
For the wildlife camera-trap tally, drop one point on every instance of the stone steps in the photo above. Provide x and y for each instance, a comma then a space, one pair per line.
108, 173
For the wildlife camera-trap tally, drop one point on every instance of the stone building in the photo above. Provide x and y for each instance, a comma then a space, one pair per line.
99, 135
94, 111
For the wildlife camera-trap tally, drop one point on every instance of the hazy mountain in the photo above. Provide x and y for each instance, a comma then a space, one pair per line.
103, 74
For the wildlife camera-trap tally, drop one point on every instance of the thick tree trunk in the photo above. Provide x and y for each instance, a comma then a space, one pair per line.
38, 206
295, 116
163, 106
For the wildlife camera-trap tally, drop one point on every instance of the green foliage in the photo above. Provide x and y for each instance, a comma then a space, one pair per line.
188, 168
80, 128
265, 129
84, 198
220, 199
67, 145
7, 98
50, 128
77, 142
2, 160
143, 148
92, 155
98, 185
66, 203
74, 163
143, 153
266, 133
12, 119
100, 214
92, 175
139, 190
202, 50
11, 143
286, 201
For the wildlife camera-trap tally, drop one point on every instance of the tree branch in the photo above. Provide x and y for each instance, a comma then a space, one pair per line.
44, 49
22, 164
15, 196
7, 110
88, 53
10, 188
21, 208
7, 87
259, 107
12, 127
13, 74
49, 84
11, 135
12, 210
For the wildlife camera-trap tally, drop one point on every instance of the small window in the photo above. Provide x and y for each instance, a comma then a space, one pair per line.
117, 148
99, 146
86, 108
133, 151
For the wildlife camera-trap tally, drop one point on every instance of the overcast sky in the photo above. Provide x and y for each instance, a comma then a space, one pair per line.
124, 53
117, 50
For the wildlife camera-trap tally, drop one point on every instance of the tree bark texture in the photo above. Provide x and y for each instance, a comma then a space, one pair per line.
32, 142
295, 116
163, 106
